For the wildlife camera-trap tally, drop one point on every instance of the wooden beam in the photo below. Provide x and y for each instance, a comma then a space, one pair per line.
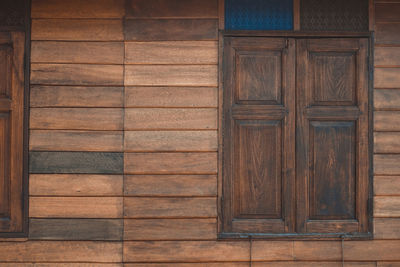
296, 15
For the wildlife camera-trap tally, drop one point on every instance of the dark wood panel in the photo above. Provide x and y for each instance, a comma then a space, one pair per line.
387, 164
170, 29
387, 33
387, 185
75, 229
5, 178
76, 162
387, 12
388, 99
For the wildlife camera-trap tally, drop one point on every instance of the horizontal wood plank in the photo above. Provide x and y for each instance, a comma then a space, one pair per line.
387, 121
75, 185
77, 30
272, 250
387, 56
171, 29
76, 229
387, 99
77, 52
386, 185
110, 119
178, 52
171, 118
171, 97
75, 207
385, 12
147, 207
68, 264
386, 164
65, 251
170, 229
388, 264
259, 264
170, 185
171, 75
372, 250
170, 163
387, 228
387, 77
317, 250
387, 33
76, 162
387, 142
387, 206
76, 74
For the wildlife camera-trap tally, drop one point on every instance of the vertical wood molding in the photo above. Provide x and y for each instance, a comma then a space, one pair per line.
221, 14
371, 15
296, 15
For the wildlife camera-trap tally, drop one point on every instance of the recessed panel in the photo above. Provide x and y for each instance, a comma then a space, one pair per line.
257, 169
259, 76
4, 165
5, 70
332, 170
334, 78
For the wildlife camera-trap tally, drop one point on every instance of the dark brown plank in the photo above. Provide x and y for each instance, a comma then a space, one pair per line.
386, 164
387, 99
387, 56
385, 12
387, 206
386, 185
387, 33
170, 29
386, 228
75, 229
387, 121
387, 142
387, 77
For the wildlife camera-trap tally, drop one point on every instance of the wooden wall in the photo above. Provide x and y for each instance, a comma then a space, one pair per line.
123, 141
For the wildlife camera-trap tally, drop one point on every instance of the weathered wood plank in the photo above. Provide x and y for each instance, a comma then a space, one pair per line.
272, 250
171, 97
76, 229
76, 74
259, 264
386, 185
171, 29
147, 207
387, 99
77, 9
387, 121
388, 264
178, 52
372, 250
207, 264
55, 140
387, 56
76, 162
77, 30
80, 264
185, 251
170, 229
75, 185
387, 164
385, 12
66, 251
76, 119
75, 207
75, 96
170, 163
171, 118
150, 141
387, 33
387, 77
317, 250
77, 52
170, 185
387, 206
386, 228
171, 75
387, 142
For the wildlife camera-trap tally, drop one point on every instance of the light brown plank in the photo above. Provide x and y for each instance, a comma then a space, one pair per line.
313, 264
76, 74
388, 99
317, 250
171, 118
148, 207
75, 96
80, 264
183, 52
387, 33
197, 264
65, 251
386, 228
76, 118
170, 229
75, 185
186, 251
387, 206
387, 77
171, 97
387, 164
372, 250
75, 207
150, 141
388, 264
170, 185
387, 56
387, 121
272, 250
77, 52
170, 163
387, 142
387, 12
175, 75
386, 185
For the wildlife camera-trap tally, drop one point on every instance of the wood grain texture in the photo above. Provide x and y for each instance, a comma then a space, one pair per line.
181, 52
259, 264
77, 52
372, 250
77, 9
385, 12
317, 250
67, 251
386, 164
386, 185
387, 33
170, 119
388, 206
387, 142
171, 97
151, 141
76, 96
185, 251
387, 121
170, 185
387, 56
387, 99
170, 229
387, 77
171, 29
77, 30
147, 207
272, 250
76, 119
386, 228
170, 163
197, 264
76, 229
75, 207
76, 162
171, 75
388, 264
76, 74
65, 264
172, 9
54, 140
75, 185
